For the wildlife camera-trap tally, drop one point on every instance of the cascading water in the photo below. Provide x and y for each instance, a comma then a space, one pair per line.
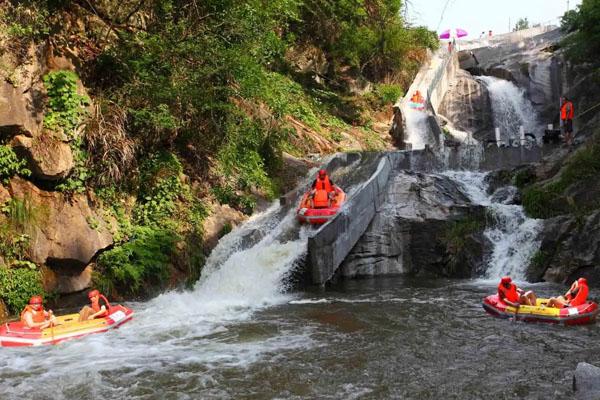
514, 236
510, 108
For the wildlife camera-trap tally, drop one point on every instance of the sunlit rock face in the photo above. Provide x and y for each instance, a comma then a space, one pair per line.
410, 232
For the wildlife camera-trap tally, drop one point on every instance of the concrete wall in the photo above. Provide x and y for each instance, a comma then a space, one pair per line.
329, 245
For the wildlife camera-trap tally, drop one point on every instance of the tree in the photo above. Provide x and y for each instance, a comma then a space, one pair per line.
522, 23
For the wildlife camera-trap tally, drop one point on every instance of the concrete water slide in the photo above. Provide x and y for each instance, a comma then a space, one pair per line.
331, 243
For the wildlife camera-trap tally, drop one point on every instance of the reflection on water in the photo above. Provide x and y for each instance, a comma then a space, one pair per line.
367, 339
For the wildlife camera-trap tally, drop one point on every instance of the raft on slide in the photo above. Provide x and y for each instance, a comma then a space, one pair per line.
416, 105
583, 314
321, 208
13, 334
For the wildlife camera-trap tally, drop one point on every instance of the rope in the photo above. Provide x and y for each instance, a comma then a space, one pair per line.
588, 110
442, 15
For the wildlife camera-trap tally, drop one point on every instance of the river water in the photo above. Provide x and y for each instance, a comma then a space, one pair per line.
365, 339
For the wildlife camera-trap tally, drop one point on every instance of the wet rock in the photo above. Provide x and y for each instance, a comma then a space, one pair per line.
506, 195
570, 248
68, 232
47, 158
467, 106
586, 382
410, 232
531, 64
222, 218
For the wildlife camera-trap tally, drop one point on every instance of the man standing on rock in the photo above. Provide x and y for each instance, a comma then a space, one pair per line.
566, 116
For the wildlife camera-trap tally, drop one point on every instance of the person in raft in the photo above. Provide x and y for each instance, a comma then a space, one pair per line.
575, 296
34, 315
514, 296
94, 310
417, 97
322, 183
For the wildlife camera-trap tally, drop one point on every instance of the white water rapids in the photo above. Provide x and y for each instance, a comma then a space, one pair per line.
235, 284
513, 235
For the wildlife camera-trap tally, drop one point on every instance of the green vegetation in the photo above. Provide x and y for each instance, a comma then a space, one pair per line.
388, 93
10, 164
457, 240
196, 101
522, 23
144, 260
65, 105
549, 200
65, 112
584, 43
17, 285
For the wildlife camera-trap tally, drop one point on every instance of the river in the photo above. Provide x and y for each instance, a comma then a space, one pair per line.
364, 339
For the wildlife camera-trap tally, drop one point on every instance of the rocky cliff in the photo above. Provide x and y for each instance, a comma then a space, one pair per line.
425, 226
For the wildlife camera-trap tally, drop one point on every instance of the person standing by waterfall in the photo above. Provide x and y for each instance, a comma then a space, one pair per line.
566, 116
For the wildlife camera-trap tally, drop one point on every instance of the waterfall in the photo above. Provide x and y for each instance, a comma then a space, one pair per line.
513, 235
510, 108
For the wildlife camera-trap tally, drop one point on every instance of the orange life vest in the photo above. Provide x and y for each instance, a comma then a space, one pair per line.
566, 111
580, 295
37, 316
324, 184
96, 306
509, 294
321, 199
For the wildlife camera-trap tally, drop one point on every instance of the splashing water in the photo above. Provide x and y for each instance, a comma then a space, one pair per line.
514, 236
510, 108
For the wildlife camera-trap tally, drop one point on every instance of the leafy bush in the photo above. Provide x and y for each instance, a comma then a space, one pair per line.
160, 188
17, 285
143, 261
65, 105
388, 93
227, 195
10, 164
584, 44
546, 201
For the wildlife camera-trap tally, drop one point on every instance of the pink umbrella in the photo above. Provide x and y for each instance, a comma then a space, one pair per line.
461, 33
458, 32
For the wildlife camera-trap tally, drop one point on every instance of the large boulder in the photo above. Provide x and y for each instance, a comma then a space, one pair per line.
413, 231
20, 111
586, 382
532, 64
467, 106
68, 232
47, 157
570, 248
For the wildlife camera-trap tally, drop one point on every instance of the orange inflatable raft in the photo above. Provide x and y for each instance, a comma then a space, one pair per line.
13, 334
320, 208
577, 315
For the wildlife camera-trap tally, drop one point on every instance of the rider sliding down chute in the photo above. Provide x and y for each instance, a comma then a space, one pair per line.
322, 202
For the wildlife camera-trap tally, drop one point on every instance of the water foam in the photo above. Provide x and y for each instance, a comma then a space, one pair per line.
514, 236
510, 107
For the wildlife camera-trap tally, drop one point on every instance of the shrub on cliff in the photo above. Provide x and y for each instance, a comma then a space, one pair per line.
141, 263
581, 171
584, 44
11, 164
17, 285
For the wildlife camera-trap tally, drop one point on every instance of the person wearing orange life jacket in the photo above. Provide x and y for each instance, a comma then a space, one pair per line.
567, 112
34, 315
323, 190
94, 310
575, 296
512, 295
